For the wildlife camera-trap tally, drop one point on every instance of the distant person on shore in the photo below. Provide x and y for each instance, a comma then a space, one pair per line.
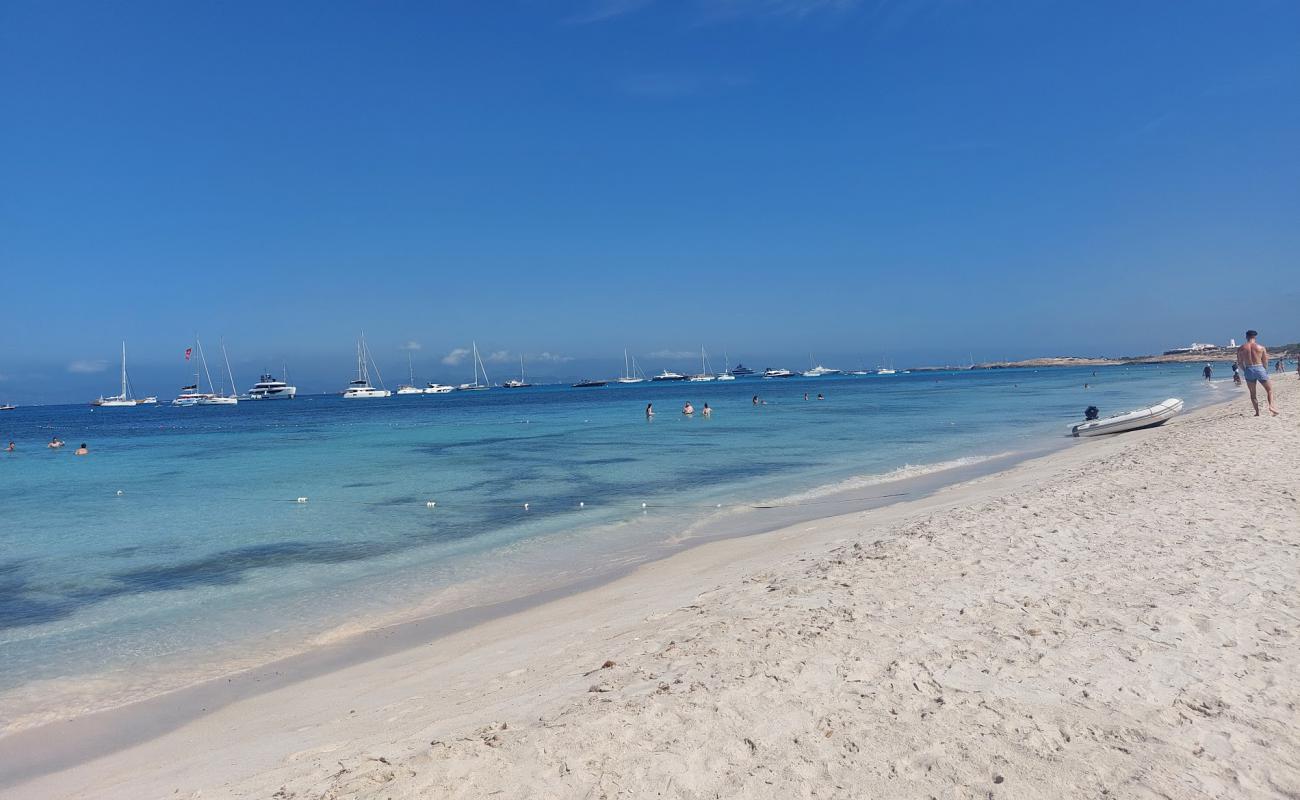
1253, 359
1207, 372
55, 443
708, 412
649, 410
82, 451
688, 409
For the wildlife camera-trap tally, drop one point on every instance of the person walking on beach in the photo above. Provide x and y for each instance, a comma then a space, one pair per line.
1253, 359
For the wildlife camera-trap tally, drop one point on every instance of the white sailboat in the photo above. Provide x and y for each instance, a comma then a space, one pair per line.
517, 384
220, 398
705, 374
193, 395
410, 388
633, 373
478, 367
726, 375
122, 399
360, 388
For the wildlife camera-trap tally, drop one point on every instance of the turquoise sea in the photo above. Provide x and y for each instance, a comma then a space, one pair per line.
177, 550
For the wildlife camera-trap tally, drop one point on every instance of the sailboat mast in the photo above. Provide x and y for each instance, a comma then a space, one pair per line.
234, 389
627, 372
124, 369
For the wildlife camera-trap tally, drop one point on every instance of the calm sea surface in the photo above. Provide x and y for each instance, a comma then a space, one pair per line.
177, 549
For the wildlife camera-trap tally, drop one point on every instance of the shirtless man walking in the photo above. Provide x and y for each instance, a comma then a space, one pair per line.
1253, 359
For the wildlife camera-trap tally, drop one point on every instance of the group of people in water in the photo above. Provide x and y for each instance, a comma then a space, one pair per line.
55, 444
688, 409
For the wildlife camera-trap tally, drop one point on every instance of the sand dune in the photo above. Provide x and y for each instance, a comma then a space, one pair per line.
1119, 620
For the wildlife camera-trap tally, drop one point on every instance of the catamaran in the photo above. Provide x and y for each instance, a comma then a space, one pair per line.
410, 388
124, 398
191, 395
478, 367
705, 373
517, 384
360, 388
632, 374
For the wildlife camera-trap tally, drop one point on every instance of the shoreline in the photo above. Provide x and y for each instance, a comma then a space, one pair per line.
152, 722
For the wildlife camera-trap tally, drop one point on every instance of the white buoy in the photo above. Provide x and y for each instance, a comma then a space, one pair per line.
119, 492
581, 504
643, 505
302, 499
430, 504
525, 506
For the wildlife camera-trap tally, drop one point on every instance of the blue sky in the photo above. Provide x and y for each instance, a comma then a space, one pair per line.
911, 180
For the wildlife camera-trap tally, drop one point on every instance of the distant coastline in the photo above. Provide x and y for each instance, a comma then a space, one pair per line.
1289, 351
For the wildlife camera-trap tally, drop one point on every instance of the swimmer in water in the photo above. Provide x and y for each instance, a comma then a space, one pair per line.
10, 448
649, 410
82, 451
688, 409
55, 443
708, 412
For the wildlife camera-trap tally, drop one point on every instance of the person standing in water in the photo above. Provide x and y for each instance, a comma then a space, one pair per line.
708, 412
1253, 359
1207, 372
649, 410
688, 409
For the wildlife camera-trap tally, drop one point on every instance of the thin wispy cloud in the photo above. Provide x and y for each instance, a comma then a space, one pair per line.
500, 356
455, 357
554, 358
87, 367
412, 345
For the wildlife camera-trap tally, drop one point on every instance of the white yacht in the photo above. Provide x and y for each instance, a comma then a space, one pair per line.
269, 387
360, 388
124, 398
478, 367
885, 371
771, 372
438, 388
147, 401
633, 373
705, 373
410, 388
820, 371
668, 375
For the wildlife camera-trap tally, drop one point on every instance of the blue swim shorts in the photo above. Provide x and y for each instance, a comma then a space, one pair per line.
1256, 372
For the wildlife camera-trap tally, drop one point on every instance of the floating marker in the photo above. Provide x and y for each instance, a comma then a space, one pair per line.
643, 505
430, 504
119, 492
581, 504
525, 506
302, 499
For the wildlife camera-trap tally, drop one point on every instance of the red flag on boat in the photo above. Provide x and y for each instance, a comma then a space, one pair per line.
188, 350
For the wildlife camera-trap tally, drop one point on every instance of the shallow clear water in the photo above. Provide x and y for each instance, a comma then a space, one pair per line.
205, 559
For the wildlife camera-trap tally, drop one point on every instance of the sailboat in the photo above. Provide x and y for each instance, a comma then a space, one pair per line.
124, 398
360, 388
726, 375
410, 388
478, 367
191, 395
221, 398
517, 384
633, 373
704, 374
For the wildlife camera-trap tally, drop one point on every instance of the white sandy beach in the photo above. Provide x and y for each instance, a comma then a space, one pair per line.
1121, 619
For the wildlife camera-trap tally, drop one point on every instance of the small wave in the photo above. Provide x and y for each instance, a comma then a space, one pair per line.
904, 472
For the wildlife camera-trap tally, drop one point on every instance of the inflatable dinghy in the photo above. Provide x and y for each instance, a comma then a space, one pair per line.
1130, 421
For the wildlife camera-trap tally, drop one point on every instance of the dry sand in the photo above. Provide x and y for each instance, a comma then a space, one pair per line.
1118, 620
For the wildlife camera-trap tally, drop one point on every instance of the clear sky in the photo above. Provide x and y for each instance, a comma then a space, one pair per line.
913, 181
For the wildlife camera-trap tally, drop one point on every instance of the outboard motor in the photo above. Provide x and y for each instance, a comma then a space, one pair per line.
1091, 413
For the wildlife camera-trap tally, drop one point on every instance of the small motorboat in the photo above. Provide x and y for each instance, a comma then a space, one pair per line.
1128, 421
589, 384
